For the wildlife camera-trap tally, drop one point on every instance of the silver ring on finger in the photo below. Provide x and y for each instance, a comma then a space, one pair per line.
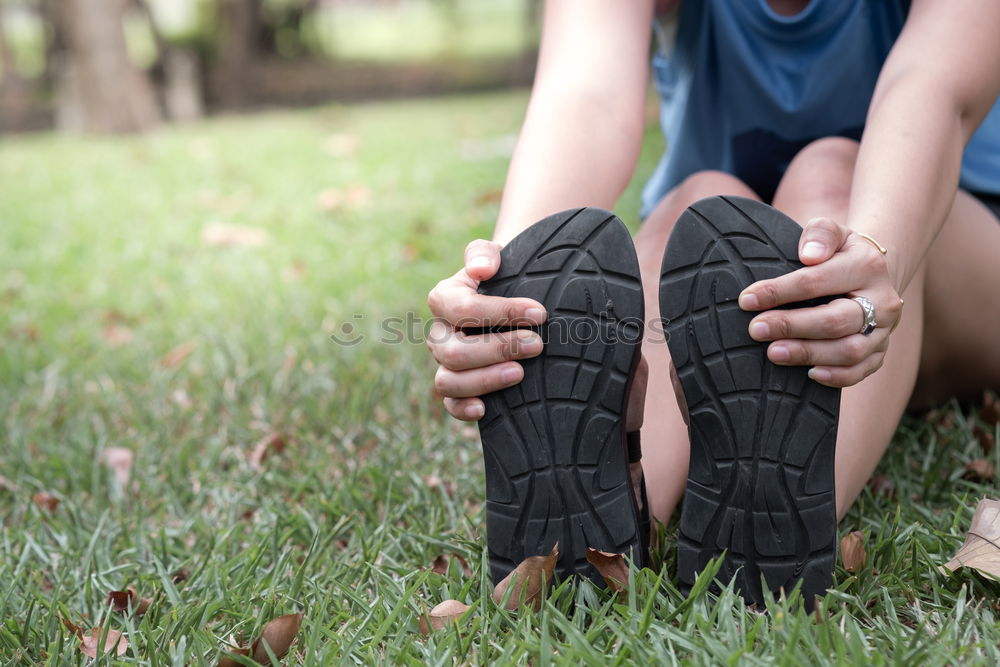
868, 309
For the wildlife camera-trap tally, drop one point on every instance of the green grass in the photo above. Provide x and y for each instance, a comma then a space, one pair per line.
100, 238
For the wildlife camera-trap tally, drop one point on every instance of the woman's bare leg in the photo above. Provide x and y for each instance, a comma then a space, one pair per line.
946, 344
961, 353
948, 333
818, 184
666, 449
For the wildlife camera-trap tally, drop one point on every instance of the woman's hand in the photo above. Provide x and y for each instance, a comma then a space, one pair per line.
828, 337
472, 365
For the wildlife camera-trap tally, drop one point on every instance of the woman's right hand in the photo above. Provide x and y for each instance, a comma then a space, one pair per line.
472, 365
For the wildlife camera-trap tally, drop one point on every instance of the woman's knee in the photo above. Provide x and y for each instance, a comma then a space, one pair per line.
823, 169
827, 160
697, 186
829, 152
655, 230
708, 183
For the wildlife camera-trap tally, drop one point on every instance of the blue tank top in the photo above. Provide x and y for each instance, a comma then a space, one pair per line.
744, 89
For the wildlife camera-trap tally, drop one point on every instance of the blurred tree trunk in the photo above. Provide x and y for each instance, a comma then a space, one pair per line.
533, 15
15, 94
6, 57
98, 88
55, 44
240, 22
176, 72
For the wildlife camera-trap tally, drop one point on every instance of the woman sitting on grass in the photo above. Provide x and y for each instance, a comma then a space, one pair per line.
871, 123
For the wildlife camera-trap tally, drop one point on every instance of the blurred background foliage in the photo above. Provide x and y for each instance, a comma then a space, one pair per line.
128, 65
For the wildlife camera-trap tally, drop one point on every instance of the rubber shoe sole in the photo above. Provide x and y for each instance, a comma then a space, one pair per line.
554, 444
761, 478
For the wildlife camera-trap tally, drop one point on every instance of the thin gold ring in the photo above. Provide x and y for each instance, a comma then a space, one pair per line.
882, 249
878, 246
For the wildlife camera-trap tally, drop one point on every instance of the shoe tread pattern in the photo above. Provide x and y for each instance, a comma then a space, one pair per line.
553, 445
760, 481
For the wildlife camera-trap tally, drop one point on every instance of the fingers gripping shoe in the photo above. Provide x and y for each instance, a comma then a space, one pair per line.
760, 482
554, 444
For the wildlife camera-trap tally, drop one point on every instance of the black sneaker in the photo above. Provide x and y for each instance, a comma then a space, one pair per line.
554, 445
760, 482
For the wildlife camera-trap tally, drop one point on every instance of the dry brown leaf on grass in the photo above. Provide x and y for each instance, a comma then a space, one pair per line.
178, 355
28, 332
115, 316
981, 550
441, 563
119, 460
342, 144
409, 252
491, 196
985, 438
880, 485
117, 335
434, 482
991, 408
329, 200
979, 470
221, 235
71, 626
278, 634
442, 615
272, 443
224, 205
943, 418
990, 415
46, 501
436, 406
352, 196
852, 551
7, 485
120, 601
295, 271
527, 582
612, 567
114, 641
227, 661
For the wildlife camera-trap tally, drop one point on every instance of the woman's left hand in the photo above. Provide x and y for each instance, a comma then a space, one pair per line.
827, 337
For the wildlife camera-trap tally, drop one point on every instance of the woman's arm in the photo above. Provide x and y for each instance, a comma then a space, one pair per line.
939, 81
578, 147
583, 129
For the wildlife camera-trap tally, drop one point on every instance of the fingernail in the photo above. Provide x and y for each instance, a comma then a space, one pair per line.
529, 341
475, 411
481, 262
510, 375
535, 315
779, 353
819, 374
759, 330
813, 250
748, 301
